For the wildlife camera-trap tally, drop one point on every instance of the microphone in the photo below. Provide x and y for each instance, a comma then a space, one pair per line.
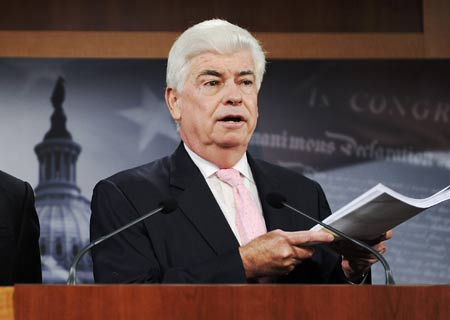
278, 201
165, 206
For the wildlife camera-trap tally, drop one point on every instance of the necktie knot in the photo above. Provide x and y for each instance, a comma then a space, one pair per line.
230, 176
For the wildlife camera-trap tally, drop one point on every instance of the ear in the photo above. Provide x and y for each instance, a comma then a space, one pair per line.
172, 101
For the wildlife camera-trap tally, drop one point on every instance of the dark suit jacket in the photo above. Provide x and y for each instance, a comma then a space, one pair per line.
194, 244
20, 261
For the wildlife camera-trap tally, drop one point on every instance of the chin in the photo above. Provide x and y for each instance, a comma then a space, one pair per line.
233, 144
231, 140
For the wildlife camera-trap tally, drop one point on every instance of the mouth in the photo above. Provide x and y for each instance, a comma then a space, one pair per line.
232, 119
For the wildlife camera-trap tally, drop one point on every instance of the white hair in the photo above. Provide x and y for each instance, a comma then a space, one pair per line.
218, 36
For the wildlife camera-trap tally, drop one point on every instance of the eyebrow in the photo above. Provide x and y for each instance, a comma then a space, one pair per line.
209, 73
246, 73
218, 74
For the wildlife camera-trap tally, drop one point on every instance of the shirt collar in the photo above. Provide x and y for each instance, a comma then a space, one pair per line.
208, 168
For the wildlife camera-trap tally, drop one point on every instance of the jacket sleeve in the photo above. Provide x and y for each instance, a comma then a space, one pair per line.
129, 257
28, 260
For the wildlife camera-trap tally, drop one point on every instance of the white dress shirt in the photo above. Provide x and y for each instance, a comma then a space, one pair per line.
223, 192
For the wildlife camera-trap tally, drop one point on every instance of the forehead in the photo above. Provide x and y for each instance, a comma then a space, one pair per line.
223, 63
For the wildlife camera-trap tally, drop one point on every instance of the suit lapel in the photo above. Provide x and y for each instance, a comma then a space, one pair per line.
275, 218
198, 204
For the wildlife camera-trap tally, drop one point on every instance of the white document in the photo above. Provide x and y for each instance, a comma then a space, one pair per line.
378, 210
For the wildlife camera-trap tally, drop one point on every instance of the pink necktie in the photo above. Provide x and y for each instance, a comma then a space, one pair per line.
249, 221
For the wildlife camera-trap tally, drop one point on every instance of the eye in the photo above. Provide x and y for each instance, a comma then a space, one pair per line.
212, 83
247, 85
211, 86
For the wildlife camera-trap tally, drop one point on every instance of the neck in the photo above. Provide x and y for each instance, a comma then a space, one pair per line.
224, 158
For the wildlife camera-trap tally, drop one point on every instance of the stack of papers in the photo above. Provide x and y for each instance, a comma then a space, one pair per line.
379, 210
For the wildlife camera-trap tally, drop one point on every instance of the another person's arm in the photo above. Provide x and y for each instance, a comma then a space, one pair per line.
27, 267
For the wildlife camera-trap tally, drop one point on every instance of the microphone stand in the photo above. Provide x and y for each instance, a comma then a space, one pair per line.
276, 199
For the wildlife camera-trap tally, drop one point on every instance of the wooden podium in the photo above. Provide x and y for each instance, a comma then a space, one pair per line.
252, 302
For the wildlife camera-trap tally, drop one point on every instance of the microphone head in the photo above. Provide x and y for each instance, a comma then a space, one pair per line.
168, 205
276, 200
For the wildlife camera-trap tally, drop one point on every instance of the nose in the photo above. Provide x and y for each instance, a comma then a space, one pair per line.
232, 95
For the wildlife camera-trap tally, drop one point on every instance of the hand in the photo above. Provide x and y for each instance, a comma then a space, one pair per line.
278, 252
355, 260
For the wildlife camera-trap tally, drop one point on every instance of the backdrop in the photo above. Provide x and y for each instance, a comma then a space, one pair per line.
347, 124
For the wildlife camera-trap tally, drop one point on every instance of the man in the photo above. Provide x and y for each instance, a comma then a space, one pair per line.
222, 231
20, 260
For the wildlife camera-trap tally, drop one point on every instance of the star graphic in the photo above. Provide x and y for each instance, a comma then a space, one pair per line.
152, 117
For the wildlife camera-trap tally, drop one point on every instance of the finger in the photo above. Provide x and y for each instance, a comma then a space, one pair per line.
308, 237
385, 236
289, 269
302, 253
359, 256
358, 264
363, 263
380, 247
388, 235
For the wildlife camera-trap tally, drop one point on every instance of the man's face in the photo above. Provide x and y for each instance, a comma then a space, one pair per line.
218, 103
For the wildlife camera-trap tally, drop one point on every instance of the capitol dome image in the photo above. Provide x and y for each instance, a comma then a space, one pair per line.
63, 212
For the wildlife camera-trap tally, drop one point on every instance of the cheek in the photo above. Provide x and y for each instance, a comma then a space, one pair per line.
204, 110
197, 115
254, 110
